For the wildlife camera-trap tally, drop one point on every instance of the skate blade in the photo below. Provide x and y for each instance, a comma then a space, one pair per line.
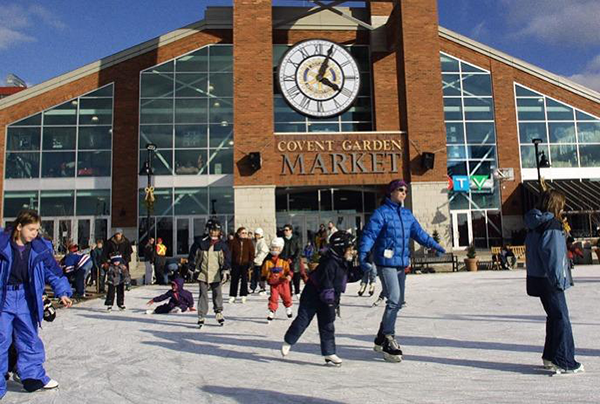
378, 348
332, 364
392, 358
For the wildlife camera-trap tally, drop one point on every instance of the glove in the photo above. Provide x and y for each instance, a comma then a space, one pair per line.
225, 276
327, 296
441, 252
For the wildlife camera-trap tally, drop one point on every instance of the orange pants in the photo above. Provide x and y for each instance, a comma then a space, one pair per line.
283, 290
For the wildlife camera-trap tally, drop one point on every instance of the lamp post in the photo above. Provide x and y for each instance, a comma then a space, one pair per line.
541, 161
147, 170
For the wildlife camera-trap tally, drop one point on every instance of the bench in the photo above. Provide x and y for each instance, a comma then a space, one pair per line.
517, 250
423, 261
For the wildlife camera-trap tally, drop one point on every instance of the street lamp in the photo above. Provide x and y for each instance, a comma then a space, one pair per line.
149, 197
541, 161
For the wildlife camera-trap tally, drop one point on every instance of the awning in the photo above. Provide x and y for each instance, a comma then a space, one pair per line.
583, 196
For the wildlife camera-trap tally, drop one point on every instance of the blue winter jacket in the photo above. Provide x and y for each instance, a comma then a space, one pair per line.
391, 227
546, 252
43, 269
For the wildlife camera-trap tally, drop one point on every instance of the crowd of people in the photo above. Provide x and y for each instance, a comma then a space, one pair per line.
251, 264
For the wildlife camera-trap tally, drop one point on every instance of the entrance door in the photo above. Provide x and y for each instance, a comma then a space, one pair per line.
462, 229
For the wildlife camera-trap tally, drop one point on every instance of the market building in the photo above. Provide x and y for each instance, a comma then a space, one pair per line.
263, 115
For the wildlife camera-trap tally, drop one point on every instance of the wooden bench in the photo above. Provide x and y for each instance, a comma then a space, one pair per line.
423, 261
517, 250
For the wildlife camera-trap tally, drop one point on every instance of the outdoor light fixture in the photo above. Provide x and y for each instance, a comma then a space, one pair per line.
541, 161
147, 170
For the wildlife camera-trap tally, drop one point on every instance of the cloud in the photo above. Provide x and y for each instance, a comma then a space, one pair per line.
479, 31
559, 22
590, 76
16, 20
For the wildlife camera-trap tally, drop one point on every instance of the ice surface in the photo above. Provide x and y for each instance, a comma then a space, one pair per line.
467, 338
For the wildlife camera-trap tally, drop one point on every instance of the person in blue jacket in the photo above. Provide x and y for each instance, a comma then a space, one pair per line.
388, 235
26, 264
548, 276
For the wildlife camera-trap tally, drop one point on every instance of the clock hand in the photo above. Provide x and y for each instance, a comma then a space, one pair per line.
323, 67
326, 81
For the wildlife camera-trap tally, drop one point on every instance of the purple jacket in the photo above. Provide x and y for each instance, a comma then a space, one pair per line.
184, 299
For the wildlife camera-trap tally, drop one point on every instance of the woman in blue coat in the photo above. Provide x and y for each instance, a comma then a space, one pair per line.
26, 264
548, 276
388, 235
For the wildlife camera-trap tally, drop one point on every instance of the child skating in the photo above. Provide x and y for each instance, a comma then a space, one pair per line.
117, 277
180, 300
321, 295
276, 272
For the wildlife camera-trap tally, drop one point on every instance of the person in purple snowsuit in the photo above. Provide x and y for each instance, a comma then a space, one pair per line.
180, 300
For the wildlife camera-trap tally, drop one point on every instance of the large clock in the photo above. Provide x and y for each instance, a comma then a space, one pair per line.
319, 78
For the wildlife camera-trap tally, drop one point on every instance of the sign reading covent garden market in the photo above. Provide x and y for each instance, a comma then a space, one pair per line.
320, 79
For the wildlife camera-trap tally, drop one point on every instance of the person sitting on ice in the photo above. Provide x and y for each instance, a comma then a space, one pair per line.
76, 266
322, 292
180, 300
276, 272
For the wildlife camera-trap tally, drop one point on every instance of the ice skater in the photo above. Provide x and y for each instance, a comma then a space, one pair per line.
180, 300
321, 295
276, 272
117, 277
26, 264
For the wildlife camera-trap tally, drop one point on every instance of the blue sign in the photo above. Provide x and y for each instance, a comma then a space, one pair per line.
461, 183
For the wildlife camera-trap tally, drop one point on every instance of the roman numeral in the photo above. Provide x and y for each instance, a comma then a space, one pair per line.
289, 78
346, 92
350, 77
305, 103
320, 107
337, 104
304, 53
296, 65
318, 49
346, 63
293, 91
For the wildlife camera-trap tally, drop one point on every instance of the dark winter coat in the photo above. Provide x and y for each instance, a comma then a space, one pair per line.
242, 251
114, 247
149, 252
182, 299
291, 251
331, 276
391, 227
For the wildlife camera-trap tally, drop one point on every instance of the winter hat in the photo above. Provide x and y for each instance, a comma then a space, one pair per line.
73, 247
394, 185
116, 259
277, 242
119, 230
259, 231
159, 240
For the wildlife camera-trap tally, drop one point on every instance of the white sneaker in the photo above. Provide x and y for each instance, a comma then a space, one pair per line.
271, 315
297, 296
560, 371
288, 311
243, 299
232, 300
52, 384
285, 349
109, 308
150, 311
333, 360
262, 293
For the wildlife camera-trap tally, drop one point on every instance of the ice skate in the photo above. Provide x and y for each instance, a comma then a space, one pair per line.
232, 300
288, 311
378, 342
220, 319
285, 349
561, 371
371, 289
548, 364
108, 309
262, 293
150, 311
270, 316
122, 308
333, 360
391, 350
243, 299
200, 322
363, 287
377, 302
52, 384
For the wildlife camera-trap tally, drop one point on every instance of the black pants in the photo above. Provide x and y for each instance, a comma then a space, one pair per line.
311, 304
238, 272
110, 296
159, 268
296, 282
559, 346
256, 281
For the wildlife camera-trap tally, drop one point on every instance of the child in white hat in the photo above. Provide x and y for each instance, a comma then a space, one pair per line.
276, 271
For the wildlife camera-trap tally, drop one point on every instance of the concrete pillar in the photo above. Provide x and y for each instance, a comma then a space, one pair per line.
255, 207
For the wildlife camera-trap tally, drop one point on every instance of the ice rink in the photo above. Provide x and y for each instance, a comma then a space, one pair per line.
466, 337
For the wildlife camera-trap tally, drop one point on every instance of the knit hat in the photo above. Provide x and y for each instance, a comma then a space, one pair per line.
277, 242
73, 247
119, 230
259, 231
394, 185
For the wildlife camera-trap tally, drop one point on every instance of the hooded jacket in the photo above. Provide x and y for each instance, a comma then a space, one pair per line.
546, 252
181, 298
43, 269
391, 227
114, 247
331, 276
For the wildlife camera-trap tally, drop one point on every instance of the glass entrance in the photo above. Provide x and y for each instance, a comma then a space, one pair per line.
462, 229
306, 225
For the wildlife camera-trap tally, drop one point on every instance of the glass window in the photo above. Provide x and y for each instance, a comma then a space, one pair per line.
529, 131
221, 58
95, 202
221, 84
478, 109
485, 200
457, 168
531, 109
558, 111
194, 62
162, 162
323, 127
34, 120
453, 109
365, 84
106, 91
58, 164
183, 236
191, 110
449, 64
160, 135
163, 202
482, 152
57, 203
582, 116
188, 136
477, 84
481, 133
93, 164
307, 200
466, 67
95, 137
95, 111
157, 85
59, 138
562, 132
457, 152
221, 161
223, 114
221, 200
22, 165
360, 111
451, 84
191, 201
190, 162
156, 111
15, 201
459, 200
589, 132
590, 155
361, 54
191, 85
221, 135
523, 92
20, 139
164, 67
283, 113
528, 155
164, 230
347, 201
454, 133
357, 126
563, 155
64, 114
290, 127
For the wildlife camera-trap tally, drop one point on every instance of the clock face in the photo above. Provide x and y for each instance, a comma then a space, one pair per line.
319, 78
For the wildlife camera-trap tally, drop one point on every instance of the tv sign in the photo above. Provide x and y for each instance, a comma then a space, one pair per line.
463, 183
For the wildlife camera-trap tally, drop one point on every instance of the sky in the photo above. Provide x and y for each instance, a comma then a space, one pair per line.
41, 39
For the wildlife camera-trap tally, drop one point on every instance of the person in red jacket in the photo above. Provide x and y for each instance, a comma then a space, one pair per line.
276, 272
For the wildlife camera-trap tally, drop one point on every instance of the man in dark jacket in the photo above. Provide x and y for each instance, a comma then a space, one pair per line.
180, 300
149, 252
242, 258
291, 252
118, 244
